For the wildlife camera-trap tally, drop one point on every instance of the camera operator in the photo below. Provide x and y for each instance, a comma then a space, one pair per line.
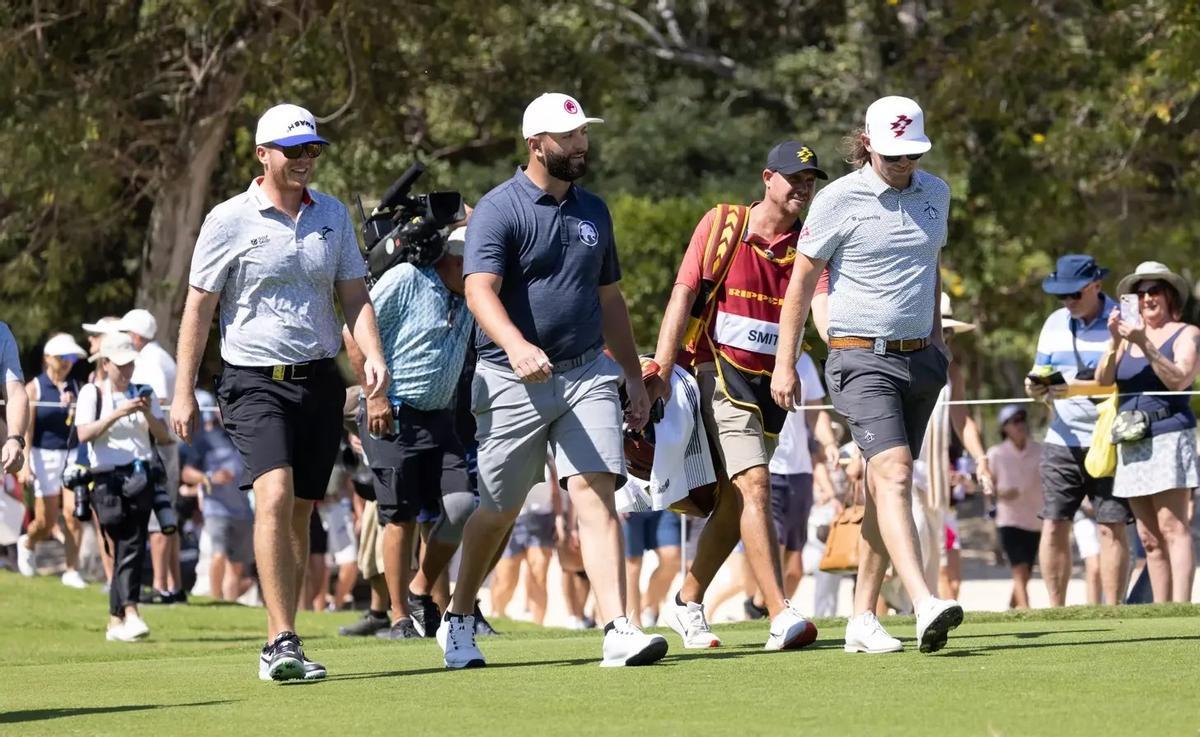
409, 437
120, 420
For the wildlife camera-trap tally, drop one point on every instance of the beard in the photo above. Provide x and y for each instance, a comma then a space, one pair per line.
561, 167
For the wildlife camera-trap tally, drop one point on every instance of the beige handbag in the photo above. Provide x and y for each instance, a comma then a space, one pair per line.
841, 547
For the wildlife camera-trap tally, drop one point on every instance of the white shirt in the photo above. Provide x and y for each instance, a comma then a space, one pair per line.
129, 437
154, 366
791, 454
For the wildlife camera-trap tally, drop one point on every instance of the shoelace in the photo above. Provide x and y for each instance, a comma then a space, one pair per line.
873, 625
461, 625
697, 619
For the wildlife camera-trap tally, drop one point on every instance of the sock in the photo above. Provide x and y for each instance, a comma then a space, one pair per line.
376, 614
679, 600
613, 624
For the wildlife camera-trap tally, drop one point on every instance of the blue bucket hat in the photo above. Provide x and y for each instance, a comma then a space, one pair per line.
1072, 273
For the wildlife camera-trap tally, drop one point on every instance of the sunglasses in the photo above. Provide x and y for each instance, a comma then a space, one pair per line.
894, 159
1153, 290
309, 150
1072, 296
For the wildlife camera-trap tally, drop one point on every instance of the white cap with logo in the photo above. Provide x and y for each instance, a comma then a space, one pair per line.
456, 242
554, 112
287, 125
896, 126
138, 321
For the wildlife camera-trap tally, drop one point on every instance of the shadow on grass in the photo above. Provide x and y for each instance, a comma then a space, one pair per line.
40, 715
1030, 635
984, 649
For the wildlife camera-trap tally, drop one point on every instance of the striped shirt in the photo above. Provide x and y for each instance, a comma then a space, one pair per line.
882, 245
1061, 337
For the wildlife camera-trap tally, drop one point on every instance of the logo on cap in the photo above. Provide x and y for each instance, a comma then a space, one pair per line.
588, 234
804, 154
570, 106
900, 124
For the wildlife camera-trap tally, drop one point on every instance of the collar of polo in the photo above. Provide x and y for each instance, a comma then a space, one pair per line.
264, 203
878, 186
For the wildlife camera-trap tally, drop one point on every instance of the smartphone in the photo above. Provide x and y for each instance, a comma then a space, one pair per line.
1130, 312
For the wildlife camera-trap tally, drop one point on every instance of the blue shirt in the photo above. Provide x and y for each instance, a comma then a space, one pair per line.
553, 257
10, 356
211, 451
276, 276
1075, 417
423, 327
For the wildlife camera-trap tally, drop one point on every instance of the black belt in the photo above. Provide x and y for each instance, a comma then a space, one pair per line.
292, 371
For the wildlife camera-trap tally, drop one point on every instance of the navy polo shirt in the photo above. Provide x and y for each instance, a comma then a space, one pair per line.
553, 258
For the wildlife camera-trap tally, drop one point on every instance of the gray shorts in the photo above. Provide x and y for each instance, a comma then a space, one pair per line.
233, 538
577, 412
1065, 482
531, 531
886, 399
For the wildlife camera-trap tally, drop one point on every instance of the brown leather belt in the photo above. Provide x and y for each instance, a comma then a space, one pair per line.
878, 344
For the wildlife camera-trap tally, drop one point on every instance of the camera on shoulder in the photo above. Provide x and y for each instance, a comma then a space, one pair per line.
408, 228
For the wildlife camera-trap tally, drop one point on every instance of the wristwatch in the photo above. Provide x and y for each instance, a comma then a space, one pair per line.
20, 440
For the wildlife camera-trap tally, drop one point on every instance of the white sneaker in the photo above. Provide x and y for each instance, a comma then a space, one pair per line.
25, 556
649, 618
136, 627
575, 623
935, 618
73, 579
790, 630
457, 638
864, 634
122, 633
625, 644
689, 621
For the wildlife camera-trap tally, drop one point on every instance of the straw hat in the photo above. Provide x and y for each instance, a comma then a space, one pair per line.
1156, 271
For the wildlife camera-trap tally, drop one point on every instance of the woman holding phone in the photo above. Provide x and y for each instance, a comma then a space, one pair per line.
119, 419
1156, 466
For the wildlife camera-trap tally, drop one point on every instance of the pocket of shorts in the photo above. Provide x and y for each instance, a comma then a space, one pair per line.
833, 370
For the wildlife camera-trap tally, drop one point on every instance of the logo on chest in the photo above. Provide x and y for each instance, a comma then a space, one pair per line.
261, 240
588, 233
931, 212
324, 232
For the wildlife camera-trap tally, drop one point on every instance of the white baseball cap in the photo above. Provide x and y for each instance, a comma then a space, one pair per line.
138, 321
116, 347
456, 242
287, 125
554, 112
101, 326
896, 126
62, 344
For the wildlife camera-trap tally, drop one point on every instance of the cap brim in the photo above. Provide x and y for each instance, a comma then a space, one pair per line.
1050, 285
958, 326
586, 121
123, 358
788, 171
76, 351
297, 140
97, 329
900, 147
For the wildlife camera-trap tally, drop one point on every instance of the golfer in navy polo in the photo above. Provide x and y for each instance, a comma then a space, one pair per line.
542, 273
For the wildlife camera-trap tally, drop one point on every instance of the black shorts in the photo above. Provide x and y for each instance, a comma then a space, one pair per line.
281, 423
886, 399
1020, 546
416, 466
1065, 483
791, 503
318, 537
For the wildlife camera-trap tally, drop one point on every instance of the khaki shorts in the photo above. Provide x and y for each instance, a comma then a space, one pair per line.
577, 413
370, 543
741, 442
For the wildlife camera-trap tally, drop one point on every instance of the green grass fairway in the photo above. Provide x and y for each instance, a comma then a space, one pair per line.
1132, 671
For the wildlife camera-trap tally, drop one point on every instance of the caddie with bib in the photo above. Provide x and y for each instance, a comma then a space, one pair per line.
723, 321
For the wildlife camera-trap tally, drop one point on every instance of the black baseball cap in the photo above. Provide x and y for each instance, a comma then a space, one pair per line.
792, 157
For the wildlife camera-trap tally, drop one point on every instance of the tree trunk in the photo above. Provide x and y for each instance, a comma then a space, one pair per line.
180, 204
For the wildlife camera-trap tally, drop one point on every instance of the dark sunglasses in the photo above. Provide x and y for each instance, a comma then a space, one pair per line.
894, 159
309, 150
1072, 296
1153, 290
